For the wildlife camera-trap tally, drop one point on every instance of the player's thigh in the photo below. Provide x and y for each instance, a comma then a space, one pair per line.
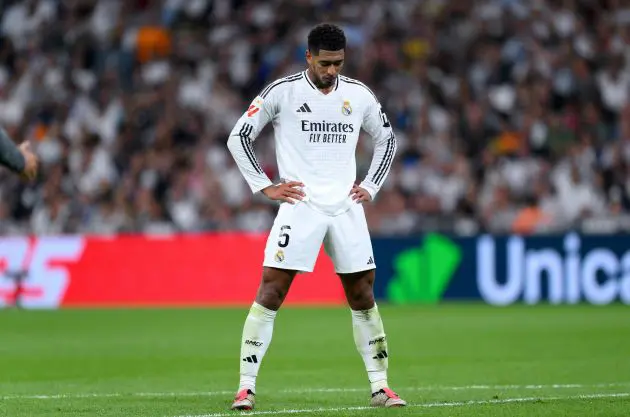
295, 238
348, 242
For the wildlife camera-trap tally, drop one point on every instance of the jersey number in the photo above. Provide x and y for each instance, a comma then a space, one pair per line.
284, 236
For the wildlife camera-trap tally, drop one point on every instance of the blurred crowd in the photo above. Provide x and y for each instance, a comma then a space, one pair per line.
511, 115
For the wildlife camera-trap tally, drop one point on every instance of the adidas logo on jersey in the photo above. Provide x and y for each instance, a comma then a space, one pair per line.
304, 109
370, 261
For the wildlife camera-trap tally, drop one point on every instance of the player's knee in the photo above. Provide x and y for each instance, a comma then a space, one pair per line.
361, 295
274, 289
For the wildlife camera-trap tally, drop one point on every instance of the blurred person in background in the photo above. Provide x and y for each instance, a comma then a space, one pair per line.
18, 159
114, 94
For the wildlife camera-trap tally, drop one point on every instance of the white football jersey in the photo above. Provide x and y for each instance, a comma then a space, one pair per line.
316, 137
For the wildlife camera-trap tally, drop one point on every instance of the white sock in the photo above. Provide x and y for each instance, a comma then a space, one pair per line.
257, 334
369, 336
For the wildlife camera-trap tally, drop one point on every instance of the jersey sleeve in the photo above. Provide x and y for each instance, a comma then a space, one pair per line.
260, 112
10, 155
376, 124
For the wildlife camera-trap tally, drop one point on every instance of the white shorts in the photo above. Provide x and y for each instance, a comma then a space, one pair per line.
298, 232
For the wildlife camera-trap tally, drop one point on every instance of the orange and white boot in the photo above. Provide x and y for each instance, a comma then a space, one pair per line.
386, 398
244, 400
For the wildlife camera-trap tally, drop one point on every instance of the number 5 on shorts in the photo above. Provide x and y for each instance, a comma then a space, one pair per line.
284, 236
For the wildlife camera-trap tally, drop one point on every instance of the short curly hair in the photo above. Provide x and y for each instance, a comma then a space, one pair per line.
326, 36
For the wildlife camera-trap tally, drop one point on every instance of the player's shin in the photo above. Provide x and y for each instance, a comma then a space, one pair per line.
257, 334
369, 336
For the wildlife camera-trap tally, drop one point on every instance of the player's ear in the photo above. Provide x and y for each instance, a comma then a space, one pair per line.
309, 57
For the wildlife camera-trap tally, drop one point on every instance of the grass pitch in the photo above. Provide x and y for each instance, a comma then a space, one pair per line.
446, 360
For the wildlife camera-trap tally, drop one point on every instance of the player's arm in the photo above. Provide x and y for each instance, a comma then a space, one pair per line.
376, 124
240, 143
18, 159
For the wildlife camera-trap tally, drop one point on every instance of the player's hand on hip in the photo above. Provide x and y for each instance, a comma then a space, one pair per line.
288, 191
31, 162
359, 195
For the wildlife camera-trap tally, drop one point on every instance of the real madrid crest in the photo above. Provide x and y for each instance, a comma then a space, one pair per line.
280, 255
346, 110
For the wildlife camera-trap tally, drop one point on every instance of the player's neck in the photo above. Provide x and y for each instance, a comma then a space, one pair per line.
326, 90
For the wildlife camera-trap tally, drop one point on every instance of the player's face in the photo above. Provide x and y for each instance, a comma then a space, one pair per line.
325, 66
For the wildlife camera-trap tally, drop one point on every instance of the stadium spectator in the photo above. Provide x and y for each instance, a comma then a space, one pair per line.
503, 108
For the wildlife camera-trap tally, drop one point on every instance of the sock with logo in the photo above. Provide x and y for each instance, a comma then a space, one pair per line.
369, 336
256, 338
